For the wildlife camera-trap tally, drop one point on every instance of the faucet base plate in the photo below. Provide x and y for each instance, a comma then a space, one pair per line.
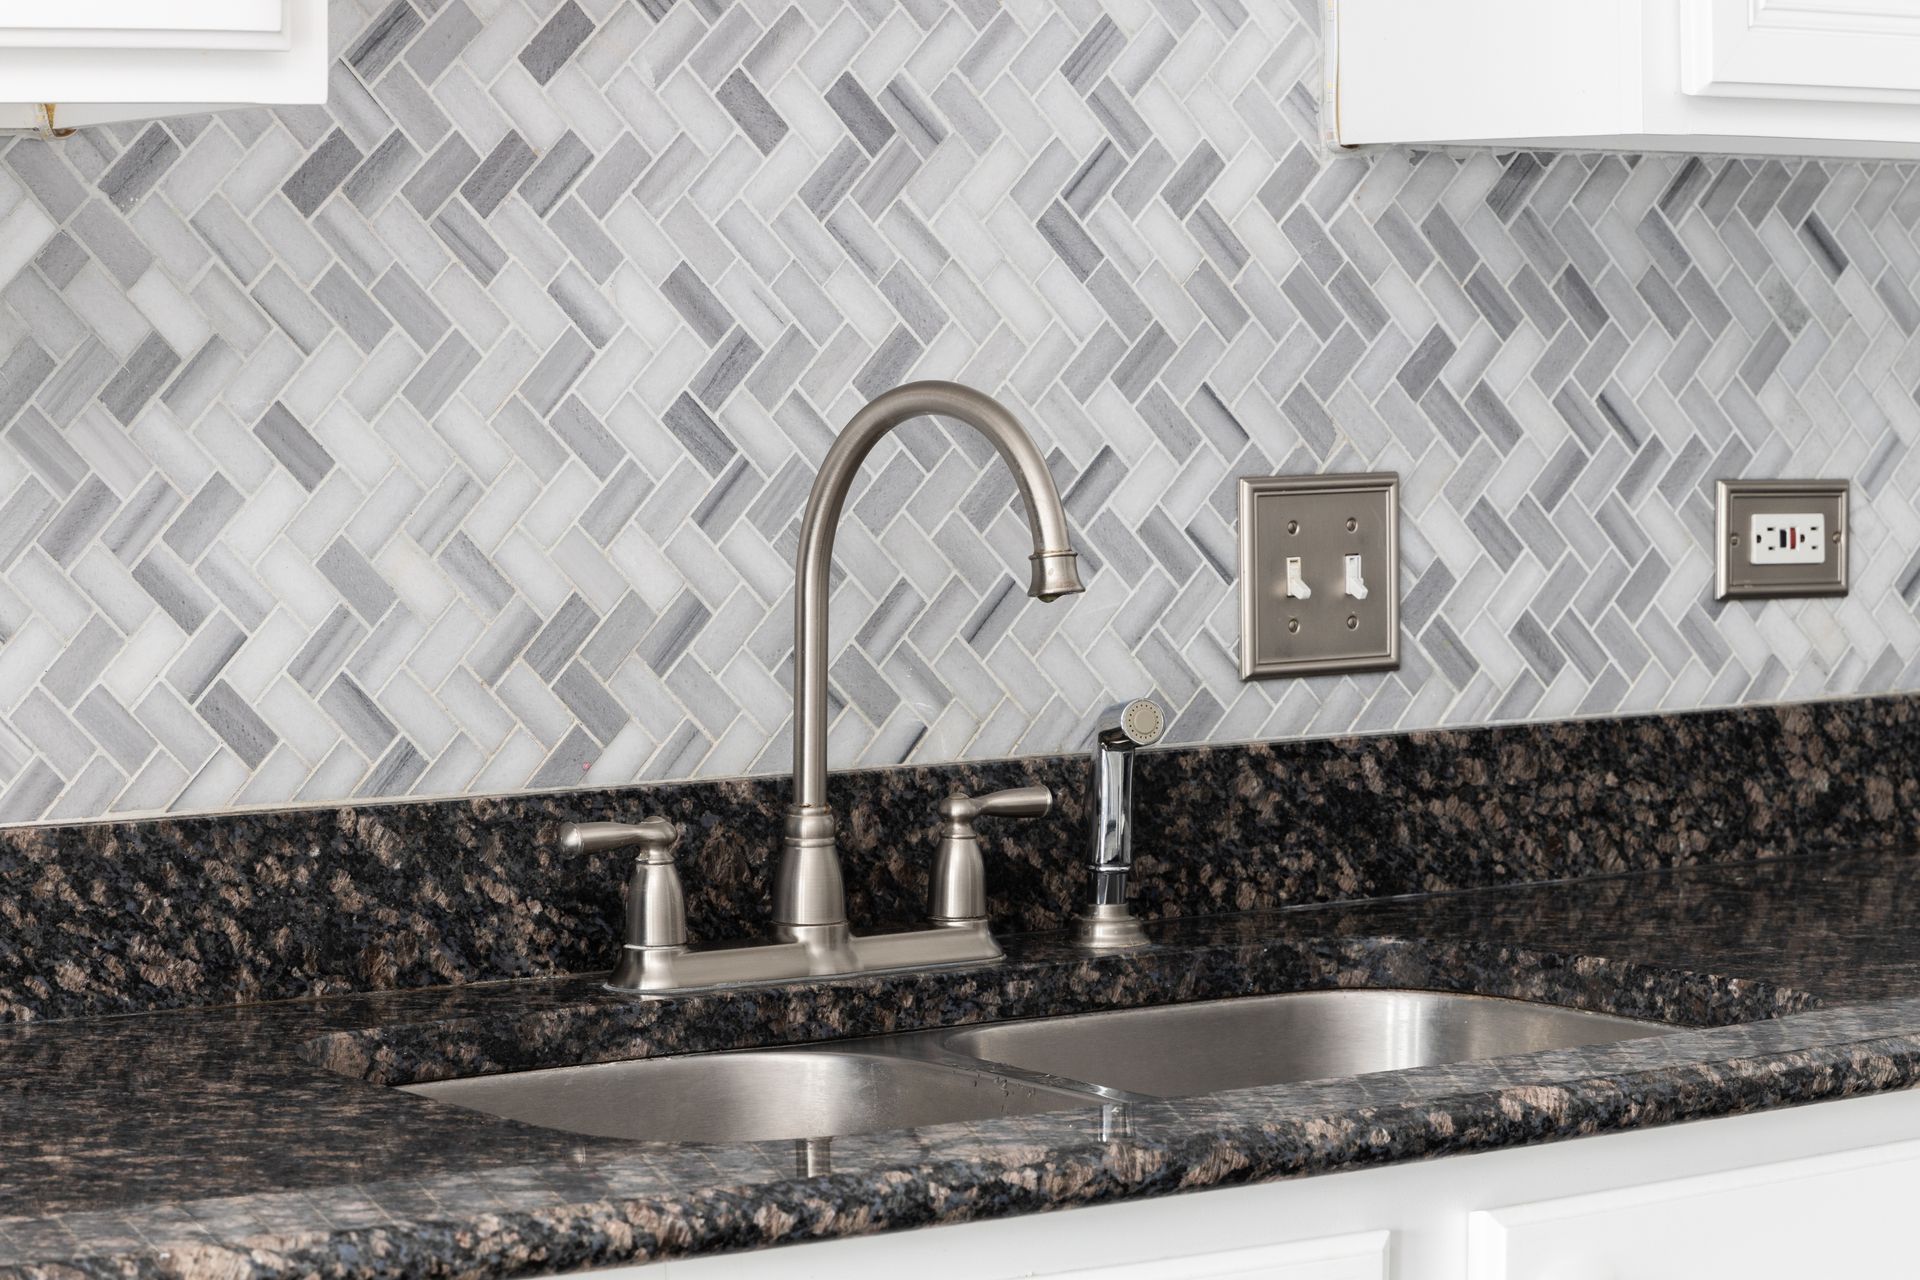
1111, 926
806, 952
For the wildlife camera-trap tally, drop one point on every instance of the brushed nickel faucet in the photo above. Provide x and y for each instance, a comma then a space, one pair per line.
811, 936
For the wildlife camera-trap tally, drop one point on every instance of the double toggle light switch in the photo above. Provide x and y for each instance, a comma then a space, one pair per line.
1355, 584
1308, 547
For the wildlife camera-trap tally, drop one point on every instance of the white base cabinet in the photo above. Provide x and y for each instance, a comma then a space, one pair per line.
1821, 1190
1851, 1208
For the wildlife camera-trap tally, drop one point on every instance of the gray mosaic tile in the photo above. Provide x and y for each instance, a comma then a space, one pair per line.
326, 168
556, 42
504, 378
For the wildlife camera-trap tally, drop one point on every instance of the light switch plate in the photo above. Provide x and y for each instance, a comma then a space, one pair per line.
1774, 509
1319, 521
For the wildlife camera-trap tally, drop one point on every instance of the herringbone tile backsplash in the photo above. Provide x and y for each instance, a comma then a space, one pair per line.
453, 437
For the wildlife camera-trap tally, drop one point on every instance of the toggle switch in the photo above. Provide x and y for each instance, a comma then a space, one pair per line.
1319, 574
1297, 588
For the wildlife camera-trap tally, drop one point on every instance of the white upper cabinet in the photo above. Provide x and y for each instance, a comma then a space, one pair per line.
1816, 50
79, 62
1793, 77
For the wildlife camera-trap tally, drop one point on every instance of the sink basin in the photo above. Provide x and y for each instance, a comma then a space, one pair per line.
1176, 1051
755, 1096
1024, 1068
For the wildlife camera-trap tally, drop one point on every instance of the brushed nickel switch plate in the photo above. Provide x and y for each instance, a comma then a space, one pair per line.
1779, 511
1319, 574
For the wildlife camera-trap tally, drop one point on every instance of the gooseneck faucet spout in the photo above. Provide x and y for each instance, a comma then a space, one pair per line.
809, 896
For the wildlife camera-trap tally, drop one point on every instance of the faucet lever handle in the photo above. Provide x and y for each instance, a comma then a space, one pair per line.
957, 892
655, 837
1015, 802
656, 911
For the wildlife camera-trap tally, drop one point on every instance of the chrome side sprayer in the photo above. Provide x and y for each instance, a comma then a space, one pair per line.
1108, 923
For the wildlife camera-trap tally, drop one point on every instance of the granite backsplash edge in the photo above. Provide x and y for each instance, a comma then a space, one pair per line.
232, 908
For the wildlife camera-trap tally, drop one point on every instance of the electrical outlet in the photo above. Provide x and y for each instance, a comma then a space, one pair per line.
1799, 537
1319, 574
1781, 538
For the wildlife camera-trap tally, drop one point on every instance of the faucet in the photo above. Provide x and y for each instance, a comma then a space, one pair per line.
1108, 923
810, 935
809, 900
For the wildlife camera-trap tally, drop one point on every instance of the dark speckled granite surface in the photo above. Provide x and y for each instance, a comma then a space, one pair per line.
254, 1142
262, 1140
122, 917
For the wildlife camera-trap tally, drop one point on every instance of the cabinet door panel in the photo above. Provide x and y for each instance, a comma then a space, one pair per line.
103, 60
1822, 50
1849, 1213
143, 24
1356, 1257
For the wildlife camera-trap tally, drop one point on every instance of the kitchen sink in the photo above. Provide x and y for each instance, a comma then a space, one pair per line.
1025, 1068
1177, 1051
752, 1096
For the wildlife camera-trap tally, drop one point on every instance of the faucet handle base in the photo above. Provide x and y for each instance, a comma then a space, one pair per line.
656, 903
957, 890
1110, 926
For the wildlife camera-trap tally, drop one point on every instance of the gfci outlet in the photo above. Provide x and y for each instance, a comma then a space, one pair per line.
1798, 537
1781, 538
1319, 574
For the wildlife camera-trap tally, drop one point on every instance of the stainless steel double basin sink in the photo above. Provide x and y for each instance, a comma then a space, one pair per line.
1024, 1068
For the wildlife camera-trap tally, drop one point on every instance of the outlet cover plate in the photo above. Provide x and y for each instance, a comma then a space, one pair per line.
1306, 517
1739, 501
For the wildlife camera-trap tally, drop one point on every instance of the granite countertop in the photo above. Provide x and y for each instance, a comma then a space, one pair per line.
262, 1141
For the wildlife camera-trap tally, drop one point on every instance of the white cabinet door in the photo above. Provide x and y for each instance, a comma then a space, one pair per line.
1772, 77
1016, 1251
1357, 1257
90, 58
1838, 1215
143, 24
1819, 50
